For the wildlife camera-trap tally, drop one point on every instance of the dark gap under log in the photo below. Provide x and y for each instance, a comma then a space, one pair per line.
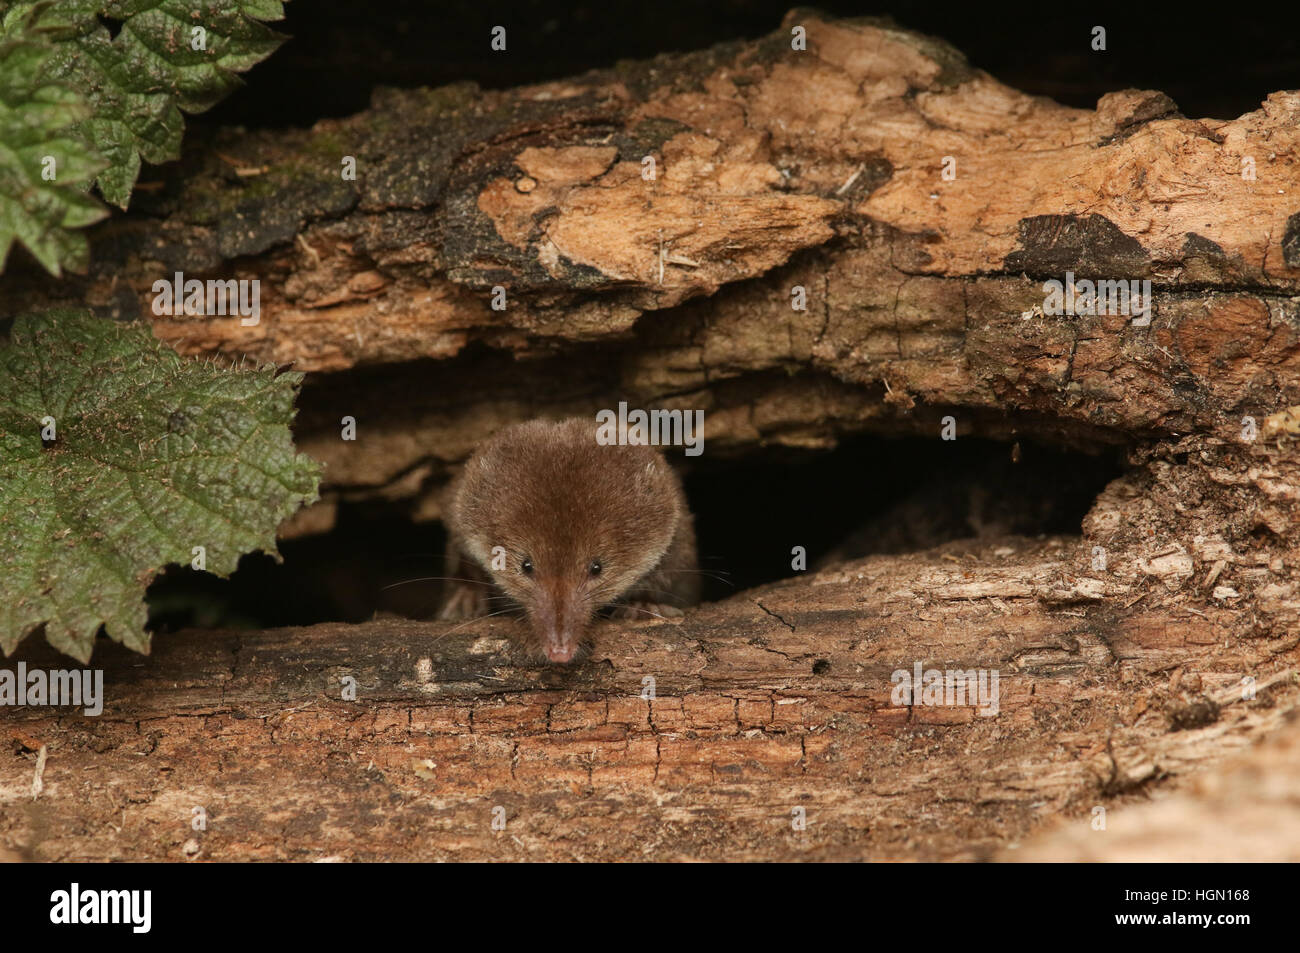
870, 495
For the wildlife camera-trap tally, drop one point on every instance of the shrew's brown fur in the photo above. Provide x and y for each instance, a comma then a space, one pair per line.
564, 527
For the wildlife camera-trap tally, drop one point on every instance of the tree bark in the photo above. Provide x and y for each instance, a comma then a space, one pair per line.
774, 169
774, 700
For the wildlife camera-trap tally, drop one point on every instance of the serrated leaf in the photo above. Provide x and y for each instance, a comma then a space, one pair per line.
138, 81
153, 456
45, 163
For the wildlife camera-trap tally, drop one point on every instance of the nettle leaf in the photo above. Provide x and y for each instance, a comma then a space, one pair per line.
46, 165
152, 455
137, 62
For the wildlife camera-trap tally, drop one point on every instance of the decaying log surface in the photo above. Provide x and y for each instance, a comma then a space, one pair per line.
1249, 809
775, 168
776, 699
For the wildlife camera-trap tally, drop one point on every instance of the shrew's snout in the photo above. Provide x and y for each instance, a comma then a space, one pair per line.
560, 649
560, 622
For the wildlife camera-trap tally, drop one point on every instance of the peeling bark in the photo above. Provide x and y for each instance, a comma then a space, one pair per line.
774, 169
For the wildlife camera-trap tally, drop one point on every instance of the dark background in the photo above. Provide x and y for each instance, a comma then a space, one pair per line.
1214, 60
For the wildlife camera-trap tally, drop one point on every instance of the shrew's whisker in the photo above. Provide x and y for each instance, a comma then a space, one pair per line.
472, 582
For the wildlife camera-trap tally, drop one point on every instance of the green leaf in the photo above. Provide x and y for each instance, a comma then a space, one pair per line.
138, 81
153, 455
46, 166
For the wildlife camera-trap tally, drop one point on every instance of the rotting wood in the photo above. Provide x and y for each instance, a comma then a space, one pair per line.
775, 699
922, 293
1246, 809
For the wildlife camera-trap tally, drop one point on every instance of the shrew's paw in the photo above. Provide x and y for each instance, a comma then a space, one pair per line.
646, 610
464, 602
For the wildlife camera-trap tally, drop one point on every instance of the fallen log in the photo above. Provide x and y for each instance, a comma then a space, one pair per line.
770, 729
913, 206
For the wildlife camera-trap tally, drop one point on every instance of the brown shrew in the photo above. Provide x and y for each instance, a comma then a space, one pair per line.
564, 527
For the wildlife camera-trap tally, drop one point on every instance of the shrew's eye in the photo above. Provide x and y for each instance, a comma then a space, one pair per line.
527, 566
594, 568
